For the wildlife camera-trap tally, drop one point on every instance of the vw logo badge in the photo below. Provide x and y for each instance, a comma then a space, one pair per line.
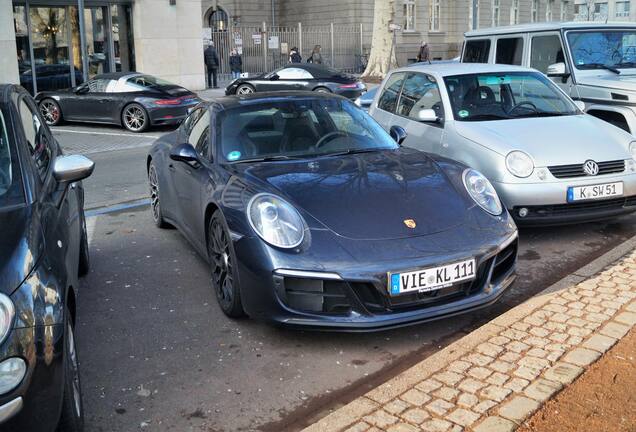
590, 167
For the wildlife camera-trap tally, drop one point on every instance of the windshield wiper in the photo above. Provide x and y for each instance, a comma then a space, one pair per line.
603, 66
267, 159
543, 114
626, 64
476, 117
353, 151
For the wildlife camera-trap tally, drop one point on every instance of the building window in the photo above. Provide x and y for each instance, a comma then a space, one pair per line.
535, 10
435, 15
409, 15
495, 13
470, 14
581, 12
514, 12
622, 8
218, 20
548, 10
600, 11
565, 5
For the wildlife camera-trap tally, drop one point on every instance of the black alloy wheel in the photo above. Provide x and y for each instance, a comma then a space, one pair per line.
72, 418
50, 111
155, 202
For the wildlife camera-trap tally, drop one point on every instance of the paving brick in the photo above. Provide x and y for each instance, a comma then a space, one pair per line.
439, 406
579, 331
593, 308
565, 373
575, 340
415, 415
581, 356
518, 409
576, 305
534, 362
559, 317
499, 340
448, 377
381, 419
495, 393
527, 373
627, 318
554, 326
459, 366
558, 300
558, 337
614, 305
489, 349
471, 385
517, 384
463, 417
599, 343
479, 359
484, 406
555, 308
537, 352
415, 397
539, 332
358, 427
495, 424
630, 307
501, 366
402, 427
396, 406
510, 357
480, 373
467, 400
522, 326
542, 389
575, 313
446, 393
436, 425
615, 330
533, 321
516, 346
555, 355
536, 341
497, 378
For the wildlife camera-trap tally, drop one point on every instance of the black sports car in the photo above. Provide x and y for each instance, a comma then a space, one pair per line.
134, 100
43, 251
303, 77
310, 214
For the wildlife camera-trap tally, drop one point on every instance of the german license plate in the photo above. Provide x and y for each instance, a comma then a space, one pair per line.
431, 279
591, 192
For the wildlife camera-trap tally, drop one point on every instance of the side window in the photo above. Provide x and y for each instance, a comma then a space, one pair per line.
509, 51
476, 51
199, 133
388, 99
37, 141
294, 73
191, 120
419, 92
98, 85
545, 50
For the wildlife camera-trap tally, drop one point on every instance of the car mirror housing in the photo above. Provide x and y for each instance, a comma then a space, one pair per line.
398, 134
580, 105
428, 116
558, 70
68, 169
184, 153
81, 89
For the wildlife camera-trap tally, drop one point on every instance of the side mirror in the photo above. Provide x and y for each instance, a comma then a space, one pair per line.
428, 116
558, 70
580, 105
274, 77
398, 134
184, 153
68, 169
81, 89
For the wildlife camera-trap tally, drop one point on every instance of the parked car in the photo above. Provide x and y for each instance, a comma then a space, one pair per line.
49, 76
311, 215
549, 162
43, 251
295, 76
592, 62
133, 100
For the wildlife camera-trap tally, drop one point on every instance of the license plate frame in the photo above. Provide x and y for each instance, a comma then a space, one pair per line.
460, 271
577, 193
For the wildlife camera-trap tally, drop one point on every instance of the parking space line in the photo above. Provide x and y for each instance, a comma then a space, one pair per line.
90, 229
91, 214
105, 133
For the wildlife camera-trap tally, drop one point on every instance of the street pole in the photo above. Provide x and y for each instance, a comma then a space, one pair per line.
300, 39
475, 14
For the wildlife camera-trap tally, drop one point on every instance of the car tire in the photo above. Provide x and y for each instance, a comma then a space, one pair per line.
51, 111
72, 417
135, 118
245, 89
155, 201
84, 254
322, 90
223, 271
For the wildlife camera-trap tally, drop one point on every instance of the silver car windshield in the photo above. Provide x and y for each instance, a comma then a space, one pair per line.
10, 187
505, 96
602, 49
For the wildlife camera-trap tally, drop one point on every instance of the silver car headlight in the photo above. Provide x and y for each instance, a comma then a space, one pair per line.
7, 311
482, 191
632, 149
519, 164
275, 221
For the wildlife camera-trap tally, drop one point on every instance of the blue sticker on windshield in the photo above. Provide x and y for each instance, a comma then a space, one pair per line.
463, 113
233, 155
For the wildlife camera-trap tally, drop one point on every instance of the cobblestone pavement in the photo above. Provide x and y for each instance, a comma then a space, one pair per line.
496, 377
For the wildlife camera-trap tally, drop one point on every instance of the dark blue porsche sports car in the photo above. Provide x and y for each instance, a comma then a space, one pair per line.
310, 214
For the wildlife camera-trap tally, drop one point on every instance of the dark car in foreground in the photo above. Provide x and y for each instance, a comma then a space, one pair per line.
300, 77
43, 251
310, 214
134, 100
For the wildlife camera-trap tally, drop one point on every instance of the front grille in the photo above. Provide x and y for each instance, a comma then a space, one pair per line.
576, 170
578, 208
504, 262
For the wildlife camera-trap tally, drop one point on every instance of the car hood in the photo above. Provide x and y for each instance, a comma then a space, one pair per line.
551, 140
624, 81
19, 248
369, 196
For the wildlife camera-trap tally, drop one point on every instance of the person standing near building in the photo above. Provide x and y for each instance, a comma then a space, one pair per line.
315, 57
294, 56
425, 54
211, 63
236, 64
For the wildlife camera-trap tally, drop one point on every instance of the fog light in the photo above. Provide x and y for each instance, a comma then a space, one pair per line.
12, 372
523, 212
542, 174
631, 165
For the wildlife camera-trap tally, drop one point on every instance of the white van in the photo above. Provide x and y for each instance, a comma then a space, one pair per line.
592, 62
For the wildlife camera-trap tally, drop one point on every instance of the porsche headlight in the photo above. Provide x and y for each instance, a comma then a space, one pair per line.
7, 311
632, 149
519, 164
482, 191
275, 221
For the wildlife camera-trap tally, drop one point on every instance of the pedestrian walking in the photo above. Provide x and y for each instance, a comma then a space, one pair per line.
211, 58
425, 54
294, 56
315, 57
236, 64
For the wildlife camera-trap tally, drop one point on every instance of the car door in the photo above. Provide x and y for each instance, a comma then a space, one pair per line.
89, 102
383, 110
420, 92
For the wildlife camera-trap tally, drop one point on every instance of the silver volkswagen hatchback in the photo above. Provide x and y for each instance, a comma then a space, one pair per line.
549, 162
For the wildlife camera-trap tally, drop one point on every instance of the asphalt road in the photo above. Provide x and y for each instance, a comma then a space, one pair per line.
158, 354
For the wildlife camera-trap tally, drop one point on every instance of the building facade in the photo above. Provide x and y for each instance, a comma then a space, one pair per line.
49, 44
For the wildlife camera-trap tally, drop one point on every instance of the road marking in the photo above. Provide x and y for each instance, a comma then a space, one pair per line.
91, 214
105, 133
90, 229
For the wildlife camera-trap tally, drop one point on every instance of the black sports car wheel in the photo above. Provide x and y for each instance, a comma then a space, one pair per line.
50, 111
222, 266
322, 90
72, 418
84, 257
134, 118
155, 203
245, 89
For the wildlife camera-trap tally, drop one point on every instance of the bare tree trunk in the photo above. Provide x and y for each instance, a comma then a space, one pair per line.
381, 57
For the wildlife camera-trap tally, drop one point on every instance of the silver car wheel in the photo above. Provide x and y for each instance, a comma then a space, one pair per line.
244, 90
154, 193
50, 111
135, 118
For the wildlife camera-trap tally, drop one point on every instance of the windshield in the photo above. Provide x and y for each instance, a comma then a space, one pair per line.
10, 186
597, 49
504, 96
299, 128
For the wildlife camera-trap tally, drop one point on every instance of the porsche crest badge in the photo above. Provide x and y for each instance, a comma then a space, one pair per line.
410, 223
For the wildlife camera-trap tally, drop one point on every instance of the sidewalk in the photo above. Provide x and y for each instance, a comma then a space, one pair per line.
495, 378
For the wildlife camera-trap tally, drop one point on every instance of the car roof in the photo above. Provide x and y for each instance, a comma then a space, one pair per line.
116, 75
449, 69
229, 102
548, 26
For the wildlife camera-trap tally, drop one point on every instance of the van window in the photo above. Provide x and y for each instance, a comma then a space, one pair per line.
388, 99
509, 51
476, 51
546, 50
